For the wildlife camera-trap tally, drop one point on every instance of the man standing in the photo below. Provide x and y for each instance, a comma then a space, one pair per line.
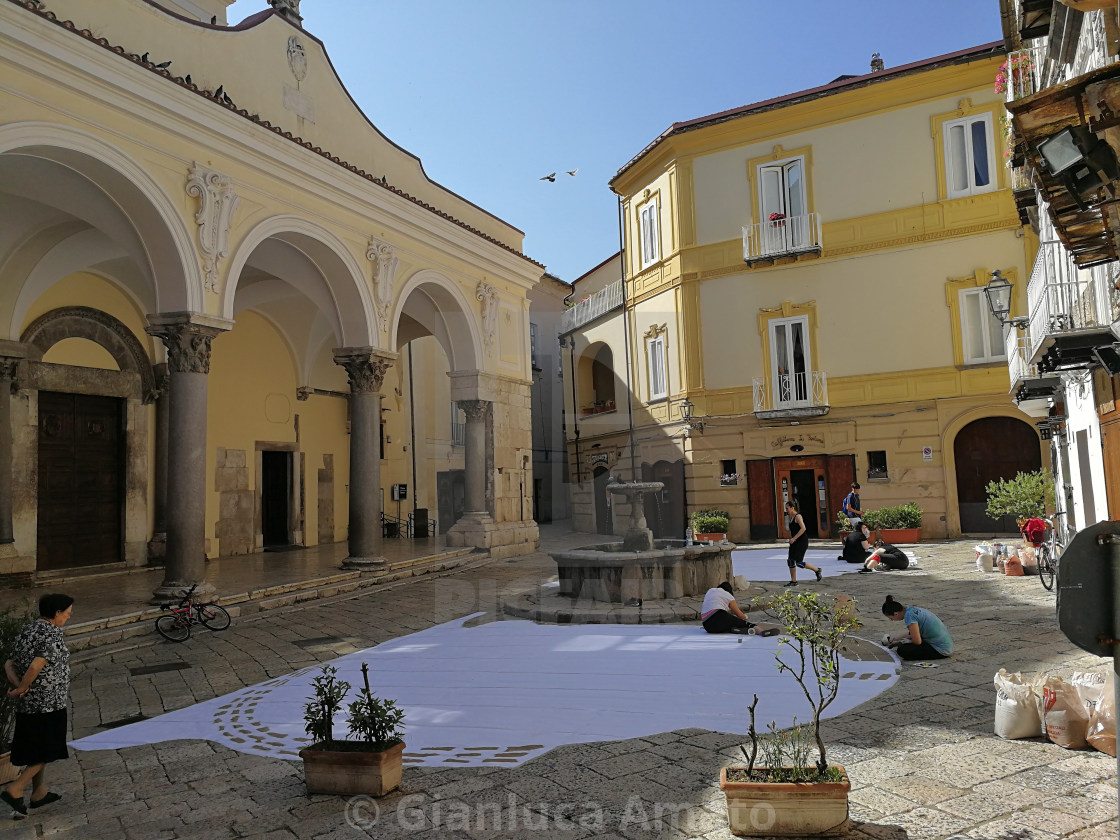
851, 507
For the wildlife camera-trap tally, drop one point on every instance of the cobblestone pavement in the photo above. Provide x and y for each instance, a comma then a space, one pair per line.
922, 757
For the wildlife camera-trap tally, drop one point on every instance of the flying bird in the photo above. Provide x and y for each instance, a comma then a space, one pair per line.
572, 172
551, 178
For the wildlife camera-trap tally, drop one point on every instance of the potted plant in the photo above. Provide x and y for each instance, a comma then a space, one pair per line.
1026, 496
791, 793
899, 524
12, 620
369, 765
710, 525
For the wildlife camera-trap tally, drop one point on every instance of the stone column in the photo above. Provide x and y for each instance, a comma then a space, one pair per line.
157, 546
365, 368
187, 337
476, 524
10, 356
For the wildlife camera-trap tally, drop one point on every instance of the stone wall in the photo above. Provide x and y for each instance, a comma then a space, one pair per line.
234, 528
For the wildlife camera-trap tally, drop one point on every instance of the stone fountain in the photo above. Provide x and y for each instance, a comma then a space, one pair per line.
640, 568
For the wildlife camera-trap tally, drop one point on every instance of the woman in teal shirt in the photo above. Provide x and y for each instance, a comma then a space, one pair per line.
926, 638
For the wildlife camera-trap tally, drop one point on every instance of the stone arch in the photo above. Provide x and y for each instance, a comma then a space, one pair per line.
350, 308
597, 384
168, 253
948, 440
438, 303
99, 327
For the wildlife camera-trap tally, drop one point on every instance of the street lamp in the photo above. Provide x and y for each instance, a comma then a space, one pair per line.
998, 293
686, 415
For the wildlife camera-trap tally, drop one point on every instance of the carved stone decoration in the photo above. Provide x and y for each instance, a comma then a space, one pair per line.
216, 203
288, 8
297, 58
385, 264
489, 297
188, 345
365, 368
474, 409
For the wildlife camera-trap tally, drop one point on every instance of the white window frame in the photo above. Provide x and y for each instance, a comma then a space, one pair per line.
988, 325
658, 367
782, 168
791, 393
971, 188
649, 233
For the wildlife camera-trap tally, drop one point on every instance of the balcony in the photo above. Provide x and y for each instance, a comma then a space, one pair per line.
1070, 311
592, 308
1031, 389
791, 395
782, 239
1022, 74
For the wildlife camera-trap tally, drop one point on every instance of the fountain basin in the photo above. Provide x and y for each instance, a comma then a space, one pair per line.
612, 573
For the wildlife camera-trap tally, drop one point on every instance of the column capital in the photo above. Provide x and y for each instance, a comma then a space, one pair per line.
187, 336
365, 367
474, 409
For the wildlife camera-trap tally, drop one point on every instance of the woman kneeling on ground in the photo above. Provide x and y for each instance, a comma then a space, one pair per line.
926, 638
720, 613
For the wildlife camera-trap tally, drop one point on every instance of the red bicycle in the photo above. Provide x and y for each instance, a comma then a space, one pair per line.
176, 625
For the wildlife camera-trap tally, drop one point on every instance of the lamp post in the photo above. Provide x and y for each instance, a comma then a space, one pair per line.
686, 415
998, 293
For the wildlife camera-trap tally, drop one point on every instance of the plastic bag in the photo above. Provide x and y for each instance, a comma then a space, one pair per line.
1029, 558
1063, 712
1101, 733
1013, 567
1016, 710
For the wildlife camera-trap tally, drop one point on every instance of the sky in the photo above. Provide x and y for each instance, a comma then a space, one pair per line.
493, 94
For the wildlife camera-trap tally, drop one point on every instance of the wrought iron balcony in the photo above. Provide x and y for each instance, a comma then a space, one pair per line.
774, 239
1022, 74
1030, 388
591, 308
1070, 311
791, 395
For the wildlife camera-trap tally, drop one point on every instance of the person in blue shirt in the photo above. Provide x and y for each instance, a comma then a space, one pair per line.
926, 636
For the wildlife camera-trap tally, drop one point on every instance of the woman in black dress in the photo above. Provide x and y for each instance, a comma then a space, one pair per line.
39, 672
798, 543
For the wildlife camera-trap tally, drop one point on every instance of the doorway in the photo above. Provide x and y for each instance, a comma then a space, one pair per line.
802, 486
665, 510
983, 451
451, 497
276, 494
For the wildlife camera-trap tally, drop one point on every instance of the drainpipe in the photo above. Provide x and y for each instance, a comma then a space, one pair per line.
412, 426
626, 340
575, 410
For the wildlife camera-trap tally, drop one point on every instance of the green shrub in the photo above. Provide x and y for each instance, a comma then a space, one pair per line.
899, 516
710, 521
1026, 495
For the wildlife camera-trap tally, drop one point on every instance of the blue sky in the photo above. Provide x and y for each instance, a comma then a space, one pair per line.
493, 94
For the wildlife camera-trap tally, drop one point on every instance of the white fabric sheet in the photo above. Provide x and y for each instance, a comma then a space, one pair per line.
501, 693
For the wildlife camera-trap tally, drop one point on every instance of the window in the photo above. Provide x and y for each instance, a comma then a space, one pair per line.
969, 155
877, 465
728, 477
658, 386
458, 426
533, 345
981, 333
789, 361
783, 207
651, 246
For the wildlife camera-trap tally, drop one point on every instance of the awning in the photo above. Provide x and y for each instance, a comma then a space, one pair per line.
1092, 99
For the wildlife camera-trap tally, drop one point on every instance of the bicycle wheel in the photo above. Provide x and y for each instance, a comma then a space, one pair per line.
174, 626
1045, 567
212, 616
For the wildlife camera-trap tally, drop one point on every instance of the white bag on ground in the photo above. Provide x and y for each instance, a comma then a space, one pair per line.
1063, 713
1102, 720
1016, 710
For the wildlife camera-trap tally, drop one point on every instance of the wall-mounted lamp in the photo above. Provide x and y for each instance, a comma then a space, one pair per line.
998, 293
686, 415
1080, 160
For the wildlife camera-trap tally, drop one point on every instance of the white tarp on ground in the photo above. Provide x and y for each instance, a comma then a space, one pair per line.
504, 692
769, 564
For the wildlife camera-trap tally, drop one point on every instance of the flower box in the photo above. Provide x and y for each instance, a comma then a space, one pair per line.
785, 809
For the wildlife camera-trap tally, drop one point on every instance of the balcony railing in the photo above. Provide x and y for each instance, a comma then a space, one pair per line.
1062, 298
1019, 367
792, 392
1023, 73
603, 301
782, 237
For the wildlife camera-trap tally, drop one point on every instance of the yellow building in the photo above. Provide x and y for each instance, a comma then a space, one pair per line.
234, 314
802, 308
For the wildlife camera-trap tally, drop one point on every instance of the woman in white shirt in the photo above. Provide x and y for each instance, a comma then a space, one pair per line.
720, 613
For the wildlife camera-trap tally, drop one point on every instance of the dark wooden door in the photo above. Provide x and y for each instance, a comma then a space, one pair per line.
276, 493
841, 475
451, 495
984, 450
665, 509
760, 493
80, 500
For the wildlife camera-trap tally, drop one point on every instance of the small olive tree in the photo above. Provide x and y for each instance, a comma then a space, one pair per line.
1026, 495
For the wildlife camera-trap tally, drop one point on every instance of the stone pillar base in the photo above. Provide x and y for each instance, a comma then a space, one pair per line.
505, 539
11, 563
157, 549
473, 528
364, 563
172, 593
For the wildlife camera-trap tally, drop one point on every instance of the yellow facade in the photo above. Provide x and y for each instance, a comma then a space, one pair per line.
878, 248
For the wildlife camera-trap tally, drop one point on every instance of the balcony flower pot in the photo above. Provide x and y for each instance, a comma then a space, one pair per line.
350, 769
783, 809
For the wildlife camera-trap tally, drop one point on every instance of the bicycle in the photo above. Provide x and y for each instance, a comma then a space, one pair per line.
1048, 545
176, 626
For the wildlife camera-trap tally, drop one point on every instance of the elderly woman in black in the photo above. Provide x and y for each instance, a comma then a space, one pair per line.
39, 672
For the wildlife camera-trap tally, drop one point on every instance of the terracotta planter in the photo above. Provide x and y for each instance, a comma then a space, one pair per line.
900, 535
785, 809
710, 537
352, 772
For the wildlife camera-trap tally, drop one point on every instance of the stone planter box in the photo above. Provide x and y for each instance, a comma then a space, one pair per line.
710, 538
785, 809
352, 772
900, 535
